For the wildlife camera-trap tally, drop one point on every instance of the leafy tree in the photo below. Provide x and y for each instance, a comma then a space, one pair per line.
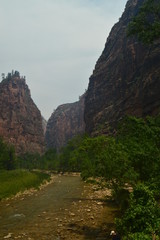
49, 160
28, 161
102, 157
7, 156
141, 139
142, 218
132, 156
146, 24
67, 161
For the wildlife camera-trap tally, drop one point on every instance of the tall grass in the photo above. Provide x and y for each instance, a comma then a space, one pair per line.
12, 182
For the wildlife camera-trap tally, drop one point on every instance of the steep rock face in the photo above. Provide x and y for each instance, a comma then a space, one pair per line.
20, 119
44, 125
126, 79
65, 122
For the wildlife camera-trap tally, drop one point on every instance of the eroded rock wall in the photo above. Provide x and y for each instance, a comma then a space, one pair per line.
65, 122
126, 79
20, 119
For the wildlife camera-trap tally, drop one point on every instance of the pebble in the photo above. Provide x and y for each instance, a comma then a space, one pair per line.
99, 203
72, 214
60, 225
8, 236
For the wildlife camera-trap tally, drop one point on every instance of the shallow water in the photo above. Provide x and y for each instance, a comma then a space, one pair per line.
38, 216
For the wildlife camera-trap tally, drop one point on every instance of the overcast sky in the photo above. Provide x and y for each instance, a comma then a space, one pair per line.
55, 44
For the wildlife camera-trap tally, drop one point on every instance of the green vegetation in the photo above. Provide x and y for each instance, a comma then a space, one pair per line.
7, 156
15, 181
12, 180
146, 24
142, 216
130, 159
48, 161
132, 156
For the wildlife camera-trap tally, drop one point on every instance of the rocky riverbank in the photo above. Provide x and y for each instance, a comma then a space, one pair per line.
90, 217
67, 209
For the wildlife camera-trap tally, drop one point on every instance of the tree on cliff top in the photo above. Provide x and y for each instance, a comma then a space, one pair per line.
146, 24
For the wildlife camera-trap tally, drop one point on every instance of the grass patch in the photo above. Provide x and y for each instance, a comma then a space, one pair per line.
12, 182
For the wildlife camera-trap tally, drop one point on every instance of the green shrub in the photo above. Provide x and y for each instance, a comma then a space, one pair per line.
138, 236
143, 214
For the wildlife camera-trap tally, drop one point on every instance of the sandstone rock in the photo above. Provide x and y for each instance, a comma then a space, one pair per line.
65, 122
20, 119
125, 80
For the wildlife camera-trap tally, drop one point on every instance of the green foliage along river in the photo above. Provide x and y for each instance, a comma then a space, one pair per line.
16, 181
128, 160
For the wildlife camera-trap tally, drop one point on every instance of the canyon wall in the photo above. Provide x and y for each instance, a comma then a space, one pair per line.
126, 79
65, 122
20, 119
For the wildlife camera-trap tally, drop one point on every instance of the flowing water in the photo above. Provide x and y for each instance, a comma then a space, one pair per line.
59, 211
32, 216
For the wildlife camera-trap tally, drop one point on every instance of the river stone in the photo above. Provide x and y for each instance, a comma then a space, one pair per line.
72, 214
18, 215
8, 236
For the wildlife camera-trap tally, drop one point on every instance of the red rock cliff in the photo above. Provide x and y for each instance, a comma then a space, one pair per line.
126, 79
20, 119
65, 122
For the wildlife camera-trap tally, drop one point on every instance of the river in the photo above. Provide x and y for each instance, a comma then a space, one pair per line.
58, 211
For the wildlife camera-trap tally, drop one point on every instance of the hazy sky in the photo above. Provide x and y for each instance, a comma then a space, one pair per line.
55, 44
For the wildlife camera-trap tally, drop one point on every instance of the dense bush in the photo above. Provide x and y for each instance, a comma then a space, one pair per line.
48, 161
142, 218
132, 156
